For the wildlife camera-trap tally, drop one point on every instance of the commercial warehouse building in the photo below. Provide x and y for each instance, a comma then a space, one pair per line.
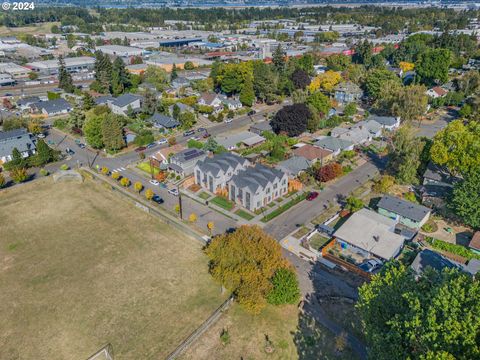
72, 65
119, 50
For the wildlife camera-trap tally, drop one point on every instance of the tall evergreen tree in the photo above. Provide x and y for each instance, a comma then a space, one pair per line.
247, 94
88, 101
64, 78
103, 72
279, 58
174, 73
112, 133
120, 80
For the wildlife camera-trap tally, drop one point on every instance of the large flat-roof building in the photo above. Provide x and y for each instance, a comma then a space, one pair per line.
72, 65
120, 50
14, 70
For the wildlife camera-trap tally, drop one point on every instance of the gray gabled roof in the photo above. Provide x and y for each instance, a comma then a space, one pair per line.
18, 138
126, 99
428, 258
54, 106
332, 143
256, 177
220, 162
104, 99
163, 120
295, 164
348, 87
383, 120
403, 208
188, 154
28, 100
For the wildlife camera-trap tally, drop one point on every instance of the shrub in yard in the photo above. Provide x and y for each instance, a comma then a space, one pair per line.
192, 218
43, 172
125, 182
285, 288
2, 180
172, 140
384, 184
161, 176
19, 175
329, 172
354, 204
430, 227
149, 194
64, 167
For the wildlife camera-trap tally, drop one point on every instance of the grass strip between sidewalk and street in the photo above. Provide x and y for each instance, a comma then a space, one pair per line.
284, 208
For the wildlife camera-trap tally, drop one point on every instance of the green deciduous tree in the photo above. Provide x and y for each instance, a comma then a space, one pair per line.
245, 262
338, 62
354, 204
92, 130
407, 102
466, 198
285, 288
376, 78
457, 146
405, 150
19, 175
434, 317
320, 102
432, 66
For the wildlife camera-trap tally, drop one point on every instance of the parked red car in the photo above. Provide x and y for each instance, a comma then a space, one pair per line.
141, 148
312, 195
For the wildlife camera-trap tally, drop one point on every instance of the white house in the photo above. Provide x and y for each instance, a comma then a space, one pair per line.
15, 139
123, 103
255, 187
210, 99
370, 235
387, 122
437, 92
213, 173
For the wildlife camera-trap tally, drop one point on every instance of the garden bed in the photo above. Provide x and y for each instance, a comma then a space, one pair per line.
284, 208
244, 214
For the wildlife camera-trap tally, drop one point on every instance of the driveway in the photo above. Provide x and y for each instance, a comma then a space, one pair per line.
430, 128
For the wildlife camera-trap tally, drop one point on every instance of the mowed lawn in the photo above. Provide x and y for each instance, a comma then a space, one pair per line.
80, 267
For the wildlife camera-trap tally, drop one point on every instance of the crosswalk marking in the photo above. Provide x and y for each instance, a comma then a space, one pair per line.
123, 168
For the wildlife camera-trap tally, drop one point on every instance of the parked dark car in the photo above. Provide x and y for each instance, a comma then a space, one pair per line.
141, 148
201, 130
206, 135
251, 112
189, 133
81, 146
69, 151
150, 145
157, 199
312, 195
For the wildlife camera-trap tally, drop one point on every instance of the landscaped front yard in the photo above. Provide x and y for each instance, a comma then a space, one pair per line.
80, 267
244, 214
223, 203
145, 166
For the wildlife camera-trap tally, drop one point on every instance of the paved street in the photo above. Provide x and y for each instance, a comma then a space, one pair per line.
304, 212
430, 128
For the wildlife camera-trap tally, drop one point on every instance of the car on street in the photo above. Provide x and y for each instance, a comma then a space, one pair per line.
196, 138
41, 136
69, 151
173, 191
312, 195
371, 265
149, 146
81, 146
141, 148
206, 135
162, 141
154, 182
228, 120
157, 199
201, 130
189, 133
251, 112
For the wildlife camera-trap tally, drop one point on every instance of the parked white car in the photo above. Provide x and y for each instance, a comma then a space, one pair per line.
154, 182
162, 141
173, 191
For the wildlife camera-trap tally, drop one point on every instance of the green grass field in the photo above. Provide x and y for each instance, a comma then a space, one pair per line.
145, 166
80, 267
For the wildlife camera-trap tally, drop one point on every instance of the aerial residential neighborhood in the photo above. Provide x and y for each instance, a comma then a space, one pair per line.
240, 180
